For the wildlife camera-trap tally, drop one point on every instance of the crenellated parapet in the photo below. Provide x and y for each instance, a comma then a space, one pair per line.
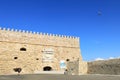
37, 33
22, 36
34, 51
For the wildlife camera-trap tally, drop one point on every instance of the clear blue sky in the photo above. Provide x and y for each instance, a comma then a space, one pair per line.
99, 34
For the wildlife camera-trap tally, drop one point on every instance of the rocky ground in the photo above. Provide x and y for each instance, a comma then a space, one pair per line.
59, 77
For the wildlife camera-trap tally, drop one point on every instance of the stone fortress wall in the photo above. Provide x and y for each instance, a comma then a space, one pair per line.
111, 67
34, 52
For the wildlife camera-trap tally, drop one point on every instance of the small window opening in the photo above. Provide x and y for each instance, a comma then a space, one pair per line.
37, 58
15, 57
67, 59
66, 70
22, 49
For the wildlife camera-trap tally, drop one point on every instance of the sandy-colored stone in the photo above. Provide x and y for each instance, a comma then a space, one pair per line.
36, 45
83, 67
43, 50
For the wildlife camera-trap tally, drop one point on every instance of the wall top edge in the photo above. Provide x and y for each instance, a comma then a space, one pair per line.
38, 33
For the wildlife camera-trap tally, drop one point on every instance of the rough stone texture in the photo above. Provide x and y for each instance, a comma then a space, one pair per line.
47, 50
83, 67
32, 60
73, 67
104, 67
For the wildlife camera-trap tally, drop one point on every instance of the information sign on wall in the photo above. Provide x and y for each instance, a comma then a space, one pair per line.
48, 55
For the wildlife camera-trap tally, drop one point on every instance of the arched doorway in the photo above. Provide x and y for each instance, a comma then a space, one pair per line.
47, 68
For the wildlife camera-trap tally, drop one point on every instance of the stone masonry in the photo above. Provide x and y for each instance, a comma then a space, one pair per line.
34, 52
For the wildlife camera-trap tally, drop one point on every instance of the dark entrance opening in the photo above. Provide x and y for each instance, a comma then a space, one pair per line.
47, 68
17, 70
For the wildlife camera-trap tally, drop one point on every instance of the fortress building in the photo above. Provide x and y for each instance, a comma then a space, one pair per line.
33, 52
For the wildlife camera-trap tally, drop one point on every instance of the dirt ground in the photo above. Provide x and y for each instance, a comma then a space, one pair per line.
59, 77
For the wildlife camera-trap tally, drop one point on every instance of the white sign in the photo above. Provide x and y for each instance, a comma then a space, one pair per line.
62, 64
47, 55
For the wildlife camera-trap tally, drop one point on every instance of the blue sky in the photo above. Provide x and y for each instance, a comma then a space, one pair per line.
99, 34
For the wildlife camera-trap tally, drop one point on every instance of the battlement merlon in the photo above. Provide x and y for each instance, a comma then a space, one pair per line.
29, 37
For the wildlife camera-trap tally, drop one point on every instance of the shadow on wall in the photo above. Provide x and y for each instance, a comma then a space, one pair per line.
104, 67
